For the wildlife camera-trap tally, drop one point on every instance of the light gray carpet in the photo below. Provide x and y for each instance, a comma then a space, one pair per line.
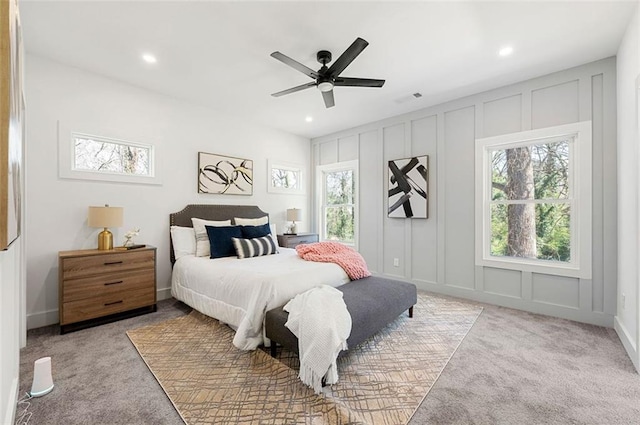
512, 368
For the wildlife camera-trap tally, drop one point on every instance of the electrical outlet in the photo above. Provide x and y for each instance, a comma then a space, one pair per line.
623, 298
396, 262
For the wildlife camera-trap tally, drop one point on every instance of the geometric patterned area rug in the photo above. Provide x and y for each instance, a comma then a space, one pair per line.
382, 381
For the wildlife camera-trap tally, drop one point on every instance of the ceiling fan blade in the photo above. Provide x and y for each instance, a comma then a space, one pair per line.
347, 57
328, 98
293, 89
295, 64
358, 82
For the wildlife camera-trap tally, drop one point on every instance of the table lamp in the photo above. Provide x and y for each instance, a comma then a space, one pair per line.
105, 217
294, 214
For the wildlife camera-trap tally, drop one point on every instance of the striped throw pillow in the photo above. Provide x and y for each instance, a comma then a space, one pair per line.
247, 248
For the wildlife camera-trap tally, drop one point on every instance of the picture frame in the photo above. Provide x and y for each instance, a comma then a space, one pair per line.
12, 127
408, 187
224, 175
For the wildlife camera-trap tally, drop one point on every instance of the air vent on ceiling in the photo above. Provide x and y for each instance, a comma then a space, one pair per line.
408, 98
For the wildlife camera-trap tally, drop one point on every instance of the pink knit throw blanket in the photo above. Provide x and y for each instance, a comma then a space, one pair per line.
333, 252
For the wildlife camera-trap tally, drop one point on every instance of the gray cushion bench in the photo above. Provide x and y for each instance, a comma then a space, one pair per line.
373, 302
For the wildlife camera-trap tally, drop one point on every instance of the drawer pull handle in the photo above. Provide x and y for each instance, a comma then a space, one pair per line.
115, 302
112, 263
113, 283
303, 242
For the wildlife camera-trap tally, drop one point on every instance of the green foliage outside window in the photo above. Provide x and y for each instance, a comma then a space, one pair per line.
548, 205
339, 207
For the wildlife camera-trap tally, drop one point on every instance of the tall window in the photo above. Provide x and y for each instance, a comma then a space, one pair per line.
534, 200
338, 208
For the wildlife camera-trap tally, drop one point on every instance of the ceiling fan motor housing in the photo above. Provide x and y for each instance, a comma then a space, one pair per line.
324, 57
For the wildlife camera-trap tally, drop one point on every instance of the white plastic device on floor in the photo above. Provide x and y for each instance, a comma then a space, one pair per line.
42, 379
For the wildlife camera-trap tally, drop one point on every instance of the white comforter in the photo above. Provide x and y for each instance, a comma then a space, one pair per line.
240, 292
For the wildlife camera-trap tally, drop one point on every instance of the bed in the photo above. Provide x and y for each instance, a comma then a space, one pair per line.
239, 292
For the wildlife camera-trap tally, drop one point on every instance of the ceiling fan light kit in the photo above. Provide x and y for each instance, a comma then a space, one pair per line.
326, 78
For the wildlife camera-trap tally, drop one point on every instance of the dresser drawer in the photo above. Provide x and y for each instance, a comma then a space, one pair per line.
105, 304
77, 267
77, 289
291, 241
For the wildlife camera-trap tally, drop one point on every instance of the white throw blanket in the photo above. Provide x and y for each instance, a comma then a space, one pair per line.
321, 321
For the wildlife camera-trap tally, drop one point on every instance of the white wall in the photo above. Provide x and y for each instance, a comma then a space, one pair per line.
628, 315
91, 104
11, 314
12, 298
437, 254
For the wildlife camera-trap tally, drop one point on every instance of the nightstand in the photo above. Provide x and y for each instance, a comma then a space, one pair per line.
290, 241
96, 287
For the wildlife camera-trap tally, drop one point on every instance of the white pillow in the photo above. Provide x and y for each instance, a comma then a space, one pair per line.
203, 248
183, 240
274, 234
251, 221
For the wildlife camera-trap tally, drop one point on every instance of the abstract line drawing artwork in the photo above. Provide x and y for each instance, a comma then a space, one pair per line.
408, 186
224, 174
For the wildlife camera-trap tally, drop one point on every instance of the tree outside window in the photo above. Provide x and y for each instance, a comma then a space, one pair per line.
533, 200
99, 155
338, 210
531, 206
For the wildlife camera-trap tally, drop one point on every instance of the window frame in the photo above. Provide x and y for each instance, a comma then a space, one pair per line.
321, 191
285, 165
67, 161
580, 199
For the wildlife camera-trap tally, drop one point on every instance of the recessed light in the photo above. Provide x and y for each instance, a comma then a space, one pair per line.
308, 119
505, 51
149, 58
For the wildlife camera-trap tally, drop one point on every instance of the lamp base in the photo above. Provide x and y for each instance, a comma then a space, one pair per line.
105, 240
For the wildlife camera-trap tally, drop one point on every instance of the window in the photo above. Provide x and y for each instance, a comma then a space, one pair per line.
101, 158
533, 196
337, 185
108, 156
285, 177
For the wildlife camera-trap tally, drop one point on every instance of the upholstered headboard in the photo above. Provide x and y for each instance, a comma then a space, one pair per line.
210, 212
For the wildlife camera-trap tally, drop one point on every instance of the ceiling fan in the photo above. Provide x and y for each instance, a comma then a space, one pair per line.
328, 78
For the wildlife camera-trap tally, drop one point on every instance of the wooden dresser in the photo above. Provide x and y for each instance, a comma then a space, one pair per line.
290, 241
96, 286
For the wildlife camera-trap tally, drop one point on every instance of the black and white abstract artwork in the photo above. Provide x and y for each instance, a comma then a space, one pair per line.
408, 186
224, 174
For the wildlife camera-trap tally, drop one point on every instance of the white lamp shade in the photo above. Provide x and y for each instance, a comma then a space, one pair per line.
294, 214
42, 379
105, 216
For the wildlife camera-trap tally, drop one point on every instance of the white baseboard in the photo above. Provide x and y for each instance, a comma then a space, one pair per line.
163, 294
563, 312
9, 416
43, 318
627, 342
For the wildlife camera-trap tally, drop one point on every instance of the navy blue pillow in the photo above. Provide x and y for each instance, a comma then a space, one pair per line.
220, 240
252, 232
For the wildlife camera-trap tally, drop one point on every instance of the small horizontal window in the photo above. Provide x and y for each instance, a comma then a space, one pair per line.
107, 156
88, 157
285, 177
